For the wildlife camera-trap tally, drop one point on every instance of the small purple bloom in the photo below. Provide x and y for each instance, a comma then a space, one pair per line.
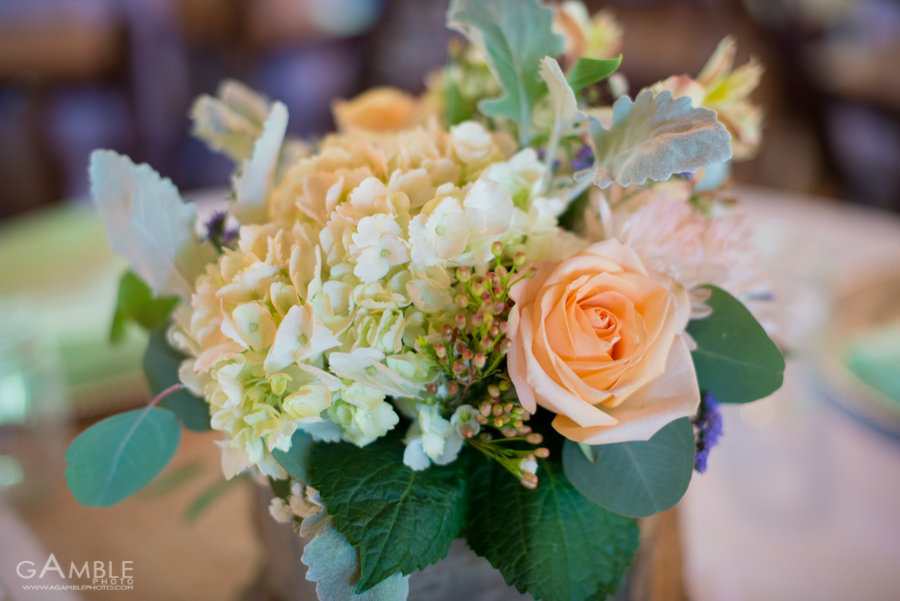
583, 159
708, 427
217, 232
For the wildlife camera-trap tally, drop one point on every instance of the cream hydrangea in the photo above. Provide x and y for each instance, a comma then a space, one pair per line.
311, 321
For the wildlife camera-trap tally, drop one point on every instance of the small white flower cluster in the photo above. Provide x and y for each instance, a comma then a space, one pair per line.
302, 503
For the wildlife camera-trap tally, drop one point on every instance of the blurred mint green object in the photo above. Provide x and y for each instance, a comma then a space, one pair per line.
60, 260
34, 405
873, 356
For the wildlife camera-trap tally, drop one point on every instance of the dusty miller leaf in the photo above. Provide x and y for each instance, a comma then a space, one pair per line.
254, 181
334, 566
148, 223
562, 96
513, 35
655, 137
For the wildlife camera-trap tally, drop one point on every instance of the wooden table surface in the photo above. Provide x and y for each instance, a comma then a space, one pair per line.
215, 557
218, 556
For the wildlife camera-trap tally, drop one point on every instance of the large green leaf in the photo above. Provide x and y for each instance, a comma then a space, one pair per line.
551, 542
638, 478
115, 458
296, 460
136, 302
161, 363
654, 137
736, 360
399, 519
513, 35
588, 71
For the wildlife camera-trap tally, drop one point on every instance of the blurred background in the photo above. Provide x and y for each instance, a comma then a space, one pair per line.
81, 74
801, 500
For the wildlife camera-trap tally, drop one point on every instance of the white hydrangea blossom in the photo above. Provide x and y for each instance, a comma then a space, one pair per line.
431, 438
312, 320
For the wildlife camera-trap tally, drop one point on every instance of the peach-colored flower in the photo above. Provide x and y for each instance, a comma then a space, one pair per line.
597, 340
377, 110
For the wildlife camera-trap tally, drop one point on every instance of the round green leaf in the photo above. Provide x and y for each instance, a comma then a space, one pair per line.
296, 459
115, 458
161, 363
735, 359
639, 478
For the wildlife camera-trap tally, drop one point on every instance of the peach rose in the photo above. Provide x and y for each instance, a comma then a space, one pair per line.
377, 110
597, 340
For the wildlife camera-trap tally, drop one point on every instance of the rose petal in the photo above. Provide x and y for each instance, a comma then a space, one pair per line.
672, 395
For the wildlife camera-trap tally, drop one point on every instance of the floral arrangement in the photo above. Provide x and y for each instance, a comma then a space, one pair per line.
505, 310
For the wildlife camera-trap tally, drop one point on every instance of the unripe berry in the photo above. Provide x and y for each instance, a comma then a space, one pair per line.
463, 274
497, 248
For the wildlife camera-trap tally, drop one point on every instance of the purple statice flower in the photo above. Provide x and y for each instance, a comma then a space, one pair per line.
217, 232
583, 159
708, 428
541, 153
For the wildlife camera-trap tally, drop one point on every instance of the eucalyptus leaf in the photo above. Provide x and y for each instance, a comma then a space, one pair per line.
588, 71
655, 137
149, 224
161, 363
551, 542
296, 460
118, 456
513, 36
639, 478
399, 520
735, 359
136, 302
